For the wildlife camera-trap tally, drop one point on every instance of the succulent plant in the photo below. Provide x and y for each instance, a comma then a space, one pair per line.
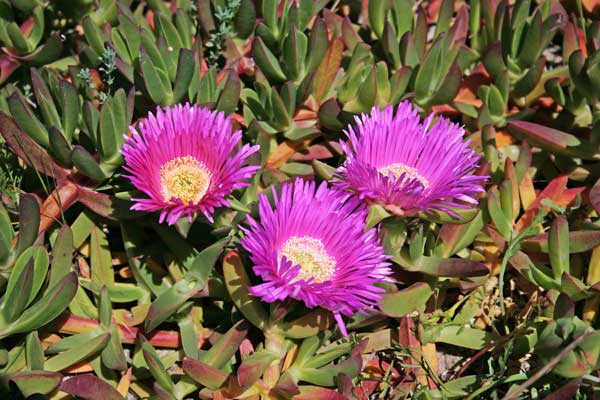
26, 41
501, 274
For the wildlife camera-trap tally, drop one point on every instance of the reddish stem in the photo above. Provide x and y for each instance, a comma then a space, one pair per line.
73, 324
56, 204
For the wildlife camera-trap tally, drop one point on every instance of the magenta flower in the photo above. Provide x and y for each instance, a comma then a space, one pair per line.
184, 160
311, 246
407, 166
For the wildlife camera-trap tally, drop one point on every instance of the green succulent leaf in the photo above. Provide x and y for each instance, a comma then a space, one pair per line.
33, 382
46, 309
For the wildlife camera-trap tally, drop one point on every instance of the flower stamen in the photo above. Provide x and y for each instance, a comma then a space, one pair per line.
184, 178
310, 254
410, 173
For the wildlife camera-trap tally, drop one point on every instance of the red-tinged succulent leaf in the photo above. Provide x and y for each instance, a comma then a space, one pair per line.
113, 356
460, 29
449, 86
167, 303
318, 393
406, 333
433, 10
105, 205
557, 192
33, 382
328, 69
160, 393
544, 134
230, 95
90, 387
466, 337
591, 6
456, 237
573, 287
570, 40
28, 150
579, 242
253, 367
314, 152
100, 258
349, 35
266, 61
77, 356
440, 217
87, 164
403, 302
124, 383
353, 365
344, 384
18, 291
205, 15
45, 54
437, 266
554, 140
237, 282
568, 391
284, 152
155, 365
62, 254
7, 66
501, 221
523, 264
595, 196
326, 375
204, 374
59, 201
322, 170
564, 307
45, 309
558, 245
308, 325
29, 220
513, 184
72, 324
527, 191
328, 114
287, 385
226, 345
377, 10
408, 339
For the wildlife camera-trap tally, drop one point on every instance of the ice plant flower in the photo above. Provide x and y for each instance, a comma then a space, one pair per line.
184, 159
407, 166
311, 246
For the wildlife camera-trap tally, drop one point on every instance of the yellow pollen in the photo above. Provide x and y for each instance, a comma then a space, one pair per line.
410, 173
310, 254
184, 178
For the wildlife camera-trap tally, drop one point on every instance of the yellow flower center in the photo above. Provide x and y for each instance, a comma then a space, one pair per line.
410, 173
184, 178
310, 254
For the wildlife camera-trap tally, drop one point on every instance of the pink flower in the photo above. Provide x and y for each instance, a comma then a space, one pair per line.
310, 245
184, 159
407, 166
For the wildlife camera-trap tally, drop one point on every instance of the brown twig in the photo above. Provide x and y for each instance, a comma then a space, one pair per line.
512, 395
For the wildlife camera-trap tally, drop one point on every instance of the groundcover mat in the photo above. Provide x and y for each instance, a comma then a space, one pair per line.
299, 199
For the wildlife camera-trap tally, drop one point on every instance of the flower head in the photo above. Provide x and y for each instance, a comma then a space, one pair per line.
407, 166
183, 158
311, 246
